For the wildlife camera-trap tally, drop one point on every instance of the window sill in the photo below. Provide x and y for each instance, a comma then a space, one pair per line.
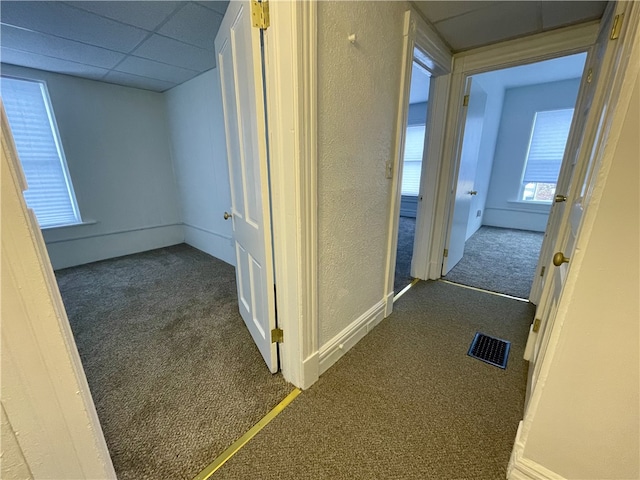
56, 227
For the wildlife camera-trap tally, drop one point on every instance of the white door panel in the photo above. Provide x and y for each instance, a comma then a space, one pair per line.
472, 135
565, 221
240, 65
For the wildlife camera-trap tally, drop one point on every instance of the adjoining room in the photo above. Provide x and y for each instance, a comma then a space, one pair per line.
132, 212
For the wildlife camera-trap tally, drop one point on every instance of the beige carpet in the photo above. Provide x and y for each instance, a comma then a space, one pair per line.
406, 402
173, 371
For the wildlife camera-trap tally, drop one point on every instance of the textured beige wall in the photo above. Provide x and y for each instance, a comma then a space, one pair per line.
588, 422
358, 91
12, 462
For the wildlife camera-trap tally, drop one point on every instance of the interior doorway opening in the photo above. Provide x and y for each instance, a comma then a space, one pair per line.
414, 148
515, 132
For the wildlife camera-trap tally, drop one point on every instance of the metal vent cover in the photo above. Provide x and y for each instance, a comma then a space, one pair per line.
493, 351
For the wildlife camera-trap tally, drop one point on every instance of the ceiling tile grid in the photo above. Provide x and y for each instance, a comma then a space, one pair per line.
159, 44
469, 24
154, 45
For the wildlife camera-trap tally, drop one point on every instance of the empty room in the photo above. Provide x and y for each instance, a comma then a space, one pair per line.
128, 178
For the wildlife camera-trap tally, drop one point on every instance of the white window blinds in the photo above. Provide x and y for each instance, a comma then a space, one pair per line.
50, 193
413, 150
546, 148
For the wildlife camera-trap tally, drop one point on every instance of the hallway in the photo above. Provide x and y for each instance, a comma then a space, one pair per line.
406, 401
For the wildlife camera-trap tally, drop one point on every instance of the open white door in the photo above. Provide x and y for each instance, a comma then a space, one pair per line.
471, 137
585, 141
238, 48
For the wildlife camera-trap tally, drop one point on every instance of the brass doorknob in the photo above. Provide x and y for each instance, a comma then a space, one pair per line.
559, 259
473, 192
560, 198
227, 216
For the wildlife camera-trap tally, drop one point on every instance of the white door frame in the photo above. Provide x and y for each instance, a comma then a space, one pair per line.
291, 89
512, 53
436, 58
613, 112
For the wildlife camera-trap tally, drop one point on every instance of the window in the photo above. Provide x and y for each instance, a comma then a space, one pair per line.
544, 158
49, 193
413, 148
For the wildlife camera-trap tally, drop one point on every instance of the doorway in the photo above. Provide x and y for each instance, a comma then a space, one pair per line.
515, 132
414, 147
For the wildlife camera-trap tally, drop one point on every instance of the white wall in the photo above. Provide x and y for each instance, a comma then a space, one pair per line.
587, 422
355, 140
502, 207
116, 141
198, 146
50, 427
493, 113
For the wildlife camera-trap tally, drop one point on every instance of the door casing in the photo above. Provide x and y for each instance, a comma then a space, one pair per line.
531, 49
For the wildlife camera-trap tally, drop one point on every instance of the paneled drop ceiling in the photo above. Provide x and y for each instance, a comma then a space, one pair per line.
470, 24
156, 45
153, 45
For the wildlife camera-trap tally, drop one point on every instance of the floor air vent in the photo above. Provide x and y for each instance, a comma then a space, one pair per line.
490, 350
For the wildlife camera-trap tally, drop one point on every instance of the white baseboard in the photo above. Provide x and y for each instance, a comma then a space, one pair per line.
94, 247
215, 244
310, 371
333, 350
388, 309
521, 468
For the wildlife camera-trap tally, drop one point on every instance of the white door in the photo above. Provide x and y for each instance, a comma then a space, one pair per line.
586, 134
579, 137
240, 65
471, 137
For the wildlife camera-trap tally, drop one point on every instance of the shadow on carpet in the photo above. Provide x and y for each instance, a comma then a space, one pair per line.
173, 371
501, 260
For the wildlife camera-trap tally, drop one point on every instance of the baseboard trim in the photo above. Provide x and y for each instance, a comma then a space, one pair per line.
93, 248
215, 244
310, 370
521, 468
389, 299
333, 350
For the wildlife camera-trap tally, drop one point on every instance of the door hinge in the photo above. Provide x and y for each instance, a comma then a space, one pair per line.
465, 101
590, 75
536, 325
260, 14
617, 26
542, 271
446, 252
277, 336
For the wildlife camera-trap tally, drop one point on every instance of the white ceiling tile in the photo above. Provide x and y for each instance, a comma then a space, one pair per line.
28, 41
49, 64
157, 70
557, 14
136, 81
168, 50
492, 24
436, 11
61, 20
147, 15
219, 6
193, 24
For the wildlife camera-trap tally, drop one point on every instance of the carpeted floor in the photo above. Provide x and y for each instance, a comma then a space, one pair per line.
406, 234
406, 402
173, 371
501, 260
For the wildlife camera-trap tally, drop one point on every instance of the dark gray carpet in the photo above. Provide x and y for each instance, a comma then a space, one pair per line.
501, 260
406, 402
173, 371
406, 234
